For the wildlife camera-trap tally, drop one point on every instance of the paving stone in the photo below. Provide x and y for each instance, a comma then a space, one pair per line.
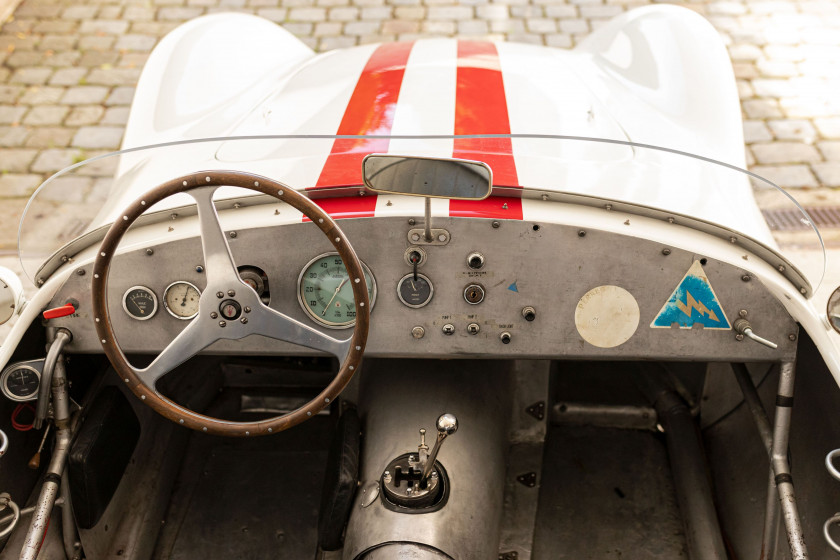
375, 12
13, 136
349, 13
79, 12
307, 14
21, 59
55, 26
574, 26
50, 161
135, 42
133, 60
31, 76
785, 152
329, 43
761, 108
787, 176
178, 13
97, 58
828, 173
756, 131
410, 13
96, 43
541, 25
361, 27
10, 94
50, 137
114, 76
450, 12
98, 137
18, 184
85, 115
139, 13
11, 114
440, 27
65, 59
400, 26
68, 76
828, 127
57, 43
41, 95
121, 96
16, 160
559, 40
830, 150
793, 130
115, 116
85, 95
44, 115
111, 27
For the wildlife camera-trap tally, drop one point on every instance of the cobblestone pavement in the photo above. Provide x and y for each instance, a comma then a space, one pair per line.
68, 69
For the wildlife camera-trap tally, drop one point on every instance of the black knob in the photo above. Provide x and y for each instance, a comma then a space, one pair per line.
505, 336
475, 260
529, 313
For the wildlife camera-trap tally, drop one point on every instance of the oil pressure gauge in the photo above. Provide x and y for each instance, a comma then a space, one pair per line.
415, 290
140, 303
181, 300
20, 381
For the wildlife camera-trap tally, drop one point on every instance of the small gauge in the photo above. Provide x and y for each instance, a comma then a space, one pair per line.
415, 291
20, 382
325, 293
181, 300
140, 303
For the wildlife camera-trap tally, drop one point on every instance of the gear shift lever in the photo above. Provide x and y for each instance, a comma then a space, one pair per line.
447, 425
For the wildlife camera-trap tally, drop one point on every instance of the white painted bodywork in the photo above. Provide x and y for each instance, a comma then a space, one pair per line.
656, 75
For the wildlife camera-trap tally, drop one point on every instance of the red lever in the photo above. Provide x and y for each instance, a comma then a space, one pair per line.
62, 311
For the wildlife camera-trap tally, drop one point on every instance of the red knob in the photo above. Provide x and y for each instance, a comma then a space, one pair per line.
62, 311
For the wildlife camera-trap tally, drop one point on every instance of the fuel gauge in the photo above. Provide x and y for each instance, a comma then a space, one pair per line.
140, 303
415, 290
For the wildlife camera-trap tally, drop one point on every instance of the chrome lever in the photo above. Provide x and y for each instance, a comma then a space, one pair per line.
447, 425
743, 327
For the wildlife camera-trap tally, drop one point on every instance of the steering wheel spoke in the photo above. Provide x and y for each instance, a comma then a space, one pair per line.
279, 326
188, 343
218, 261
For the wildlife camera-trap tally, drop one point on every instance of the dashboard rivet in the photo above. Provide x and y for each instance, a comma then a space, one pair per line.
803, 291
582, 233
150, 252
222, 324
745, 278
742, 313
791, 337
247, 309
739, 337
415, 237
80, 272
411, 221
232, 235
237, 205
496, 225
666, 252
442, 237
214, 315
231, 293
243, 320
199, 269
782, 268
220, 295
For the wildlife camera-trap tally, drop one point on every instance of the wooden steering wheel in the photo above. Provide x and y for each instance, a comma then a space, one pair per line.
225, 285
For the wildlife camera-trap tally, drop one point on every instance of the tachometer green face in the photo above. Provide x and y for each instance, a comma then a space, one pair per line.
325, 293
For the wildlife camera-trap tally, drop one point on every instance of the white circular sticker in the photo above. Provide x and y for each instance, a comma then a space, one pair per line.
607, 316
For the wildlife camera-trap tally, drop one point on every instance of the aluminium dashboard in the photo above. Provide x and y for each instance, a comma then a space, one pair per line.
584, 286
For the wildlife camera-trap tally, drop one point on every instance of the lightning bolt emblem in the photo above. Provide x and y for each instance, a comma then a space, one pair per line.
691, 303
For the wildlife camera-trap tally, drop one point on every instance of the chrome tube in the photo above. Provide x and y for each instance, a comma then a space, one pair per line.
781, 467
69, 534
62, 338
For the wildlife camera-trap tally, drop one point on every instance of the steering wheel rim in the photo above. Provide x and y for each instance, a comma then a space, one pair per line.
222, 278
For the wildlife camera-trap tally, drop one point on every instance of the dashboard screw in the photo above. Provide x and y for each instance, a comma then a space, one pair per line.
214, 315
232, 235
222, 324
80, 272
150, 251
496, 225
411, 221
247, 310
743, 313
220, 295
745, 278
582, 233
243, 320
231, 293
199, 269
739, 337
666, 252
791, 337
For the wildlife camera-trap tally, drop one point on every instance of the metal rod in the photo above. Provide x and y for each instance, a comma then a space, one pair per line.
69, 534
62, 338
693, 489
781, 467
604, 416
52, 478
765, 430
427, 227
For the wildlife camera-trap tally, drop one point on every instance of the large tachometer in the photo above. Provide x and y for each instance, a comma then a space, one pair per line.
325, 294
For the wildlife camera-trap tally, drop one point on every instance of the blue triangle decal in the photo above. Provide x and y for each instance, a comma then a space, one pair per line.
693, 302
513, 288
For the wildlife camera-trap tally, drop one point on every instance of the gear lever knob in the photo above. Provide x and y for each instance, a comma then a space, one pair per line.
447, 425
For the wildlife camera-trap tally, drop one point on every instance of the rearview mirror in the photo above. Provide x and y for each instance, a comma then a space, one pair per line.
11, 295
431, 177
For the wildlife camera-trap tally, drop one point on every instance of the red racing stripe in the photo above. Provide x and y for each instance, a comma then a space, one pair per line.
481, 108
370, 111
347, 207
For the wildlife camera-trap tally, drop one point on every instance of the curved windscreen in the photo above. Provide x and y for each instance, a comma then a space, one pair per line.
72, 208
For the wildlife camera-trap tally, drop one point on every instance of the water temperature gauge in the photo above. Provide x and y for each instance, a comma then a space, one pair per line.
140, 303
415, 290
20, 381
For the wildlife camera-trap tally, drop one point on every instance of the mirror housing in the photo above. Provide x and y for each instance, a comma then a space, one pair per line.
451, 178
12, 298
